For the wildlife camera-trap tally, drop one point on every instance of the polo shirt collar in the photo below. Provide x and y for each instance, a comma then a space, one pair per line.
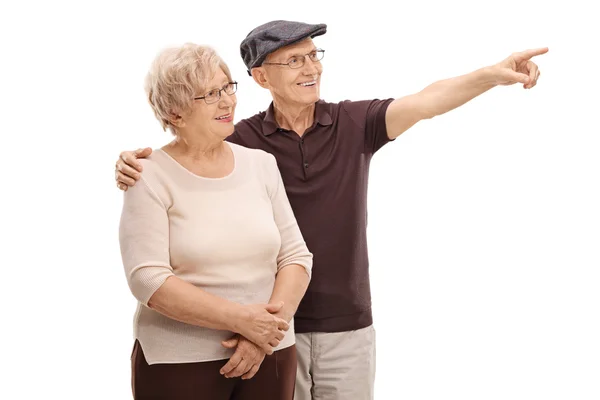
322, 117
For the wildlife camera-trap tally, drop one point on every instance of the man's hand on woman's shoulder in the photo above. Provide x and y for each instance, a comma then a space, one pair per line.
127, 168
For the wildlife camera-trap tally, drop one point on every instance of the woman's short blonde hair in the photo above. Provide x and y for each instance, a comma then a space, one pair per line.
177, 75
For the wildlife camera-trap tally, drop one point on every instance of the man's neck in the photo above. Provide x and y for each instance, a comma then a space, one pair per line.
297, 118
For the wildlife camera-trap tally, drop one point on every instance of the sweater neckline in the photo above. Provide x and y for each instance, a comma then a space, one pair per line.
203, 178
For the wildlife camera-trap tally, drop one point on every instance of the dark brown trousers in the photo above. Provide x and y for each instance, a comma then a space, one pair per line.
275, 380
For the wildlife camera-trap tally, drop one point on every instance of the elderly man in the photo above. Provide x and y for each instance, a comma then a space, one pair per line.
323, 151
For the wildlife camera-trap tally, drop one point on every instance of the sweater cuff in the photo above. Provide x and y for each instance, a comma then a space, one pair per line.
145, 279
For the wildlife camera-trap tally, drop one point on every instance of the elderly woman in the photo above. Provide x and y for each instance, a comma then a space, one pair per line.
211, 248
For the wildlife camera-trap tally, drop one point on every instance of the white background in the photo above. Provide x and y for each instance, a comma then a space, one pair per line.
484, 223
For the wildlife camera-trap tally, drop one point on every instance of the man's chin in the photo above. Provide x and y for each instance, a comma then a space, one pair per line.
310, 98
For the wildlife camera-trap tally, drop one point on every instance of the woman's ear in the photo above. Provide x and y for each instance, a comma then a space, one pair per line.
176, 120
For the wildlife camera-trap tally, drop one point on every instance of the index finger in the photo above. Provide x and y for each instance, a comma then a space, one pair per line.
527, 54
130, 159
233, 362
282, 324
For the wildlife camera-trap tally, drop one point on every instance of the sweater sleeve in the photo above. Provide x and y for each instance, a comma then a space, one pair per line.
293, 247
144, 240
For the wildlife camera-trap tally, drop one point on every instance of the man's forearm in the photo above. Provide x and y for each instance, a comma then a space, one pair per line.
448, 94
437, 99
290, 285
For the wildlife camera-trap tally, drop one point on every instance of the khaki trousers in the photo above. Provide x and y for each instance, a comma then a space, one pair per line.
336, 366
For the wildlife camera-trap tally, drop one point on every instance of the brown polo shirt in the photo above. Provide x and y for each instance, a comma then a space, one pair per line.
325, 173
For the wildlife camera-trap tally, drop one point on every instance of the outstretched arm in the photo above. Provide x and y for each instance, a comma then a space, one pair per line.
448, 94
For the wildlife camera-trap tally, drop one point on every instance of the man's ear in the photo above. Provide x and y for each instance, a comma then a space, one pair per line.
260, 77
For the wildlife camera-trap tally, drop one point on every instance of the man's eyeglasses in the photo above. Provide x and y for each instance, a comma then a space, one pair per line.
297, 61
215, 95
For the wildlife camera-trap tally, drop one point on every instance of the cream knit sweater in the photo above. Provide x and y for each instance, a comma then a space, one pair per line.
228, 236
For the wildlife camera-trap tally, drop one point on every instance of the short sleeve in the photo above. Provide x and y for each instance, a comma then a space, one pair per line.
144, 240
369, 115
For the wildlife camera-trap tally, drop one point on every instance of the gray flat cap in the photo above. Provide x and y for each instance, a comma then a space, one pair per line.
267, 38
